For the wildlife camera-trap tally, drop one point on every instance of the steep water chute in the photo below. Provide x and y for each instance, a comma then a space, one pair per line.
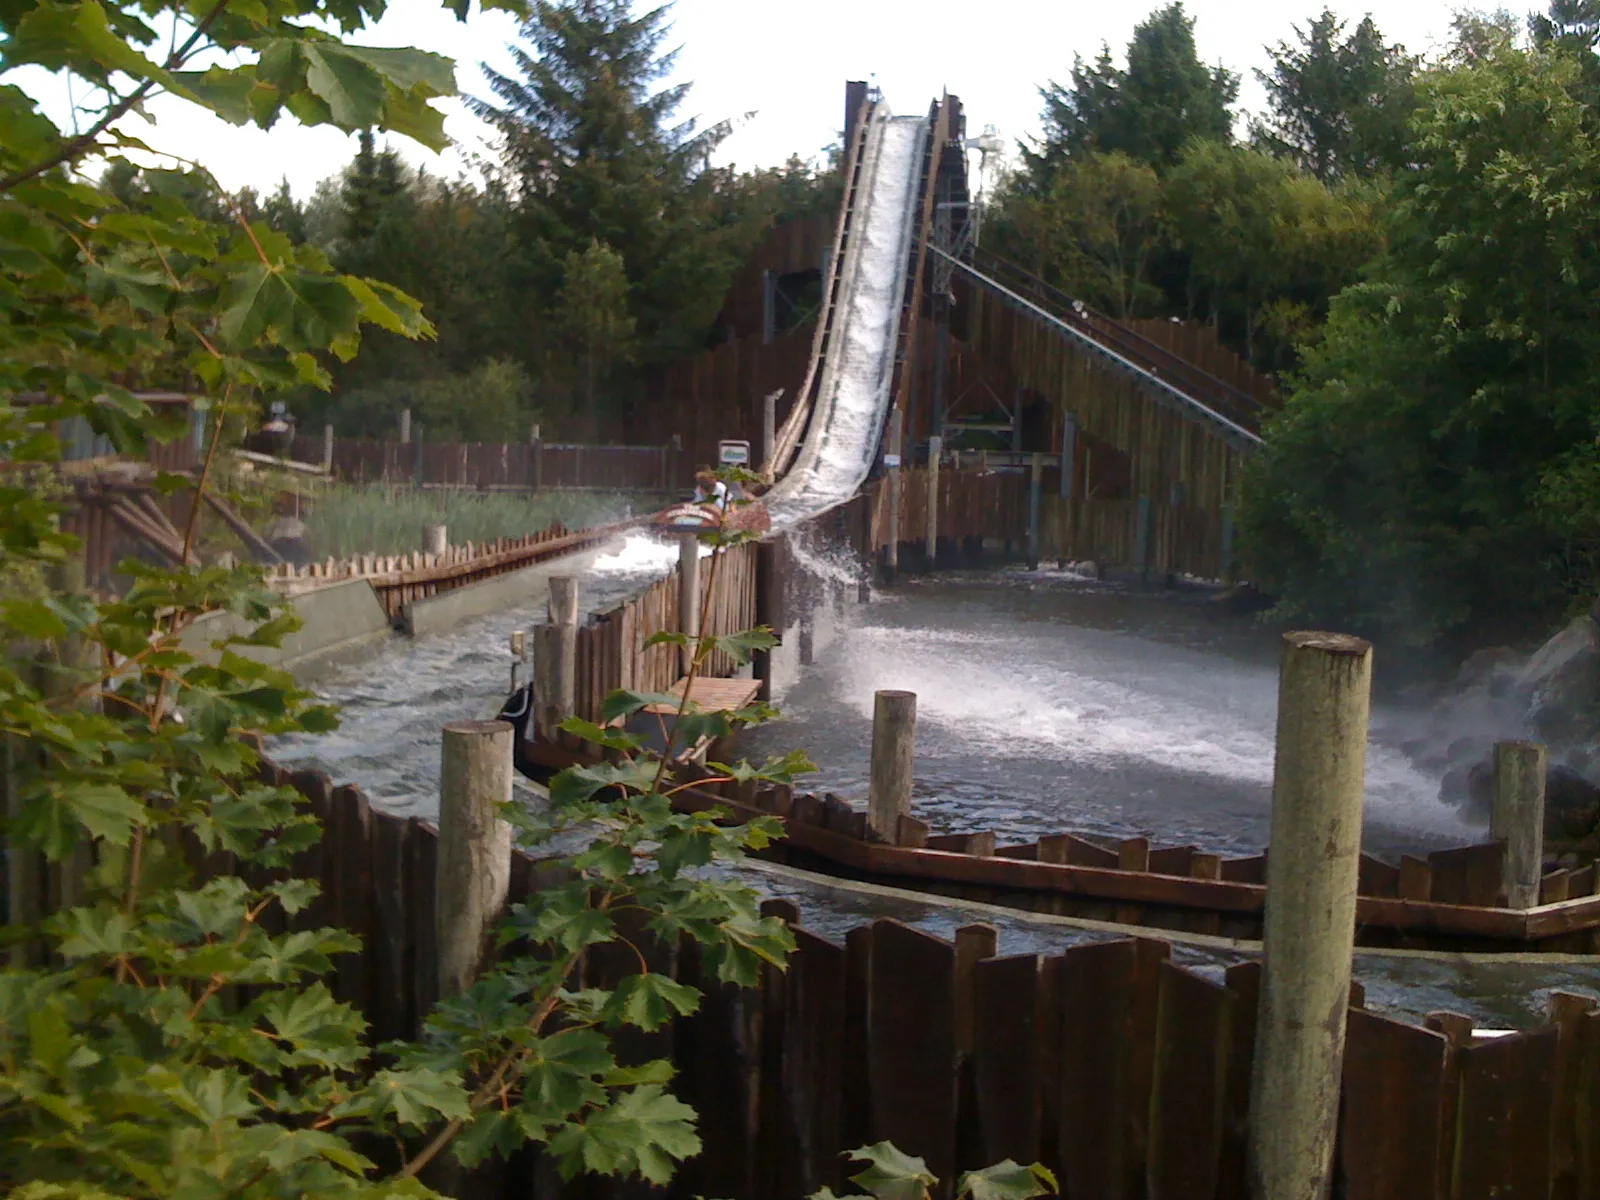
854, 394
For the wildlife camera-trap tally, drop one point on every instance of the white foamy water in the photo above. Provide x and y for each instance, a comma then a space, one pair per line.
853, 396
1060, 704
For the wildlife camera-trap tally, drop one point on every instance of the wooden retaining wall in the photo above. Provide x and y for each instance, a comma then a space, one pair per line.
1125, 1073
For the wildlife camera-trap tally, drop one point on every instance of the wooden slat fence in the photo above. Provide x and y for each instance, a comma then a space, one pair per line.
1125, 1073
496, 466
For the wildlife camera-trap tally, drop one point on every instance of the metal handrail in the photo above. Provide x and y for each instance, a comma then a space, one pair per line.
1230, 429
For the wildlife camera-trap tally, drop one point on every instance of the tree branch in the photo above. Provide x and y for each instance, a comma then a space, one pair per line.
89, 138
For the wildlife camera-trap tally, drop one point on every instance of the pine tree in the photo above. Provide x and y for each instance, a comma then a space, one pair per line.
1148, 110
1340, 106
599, 158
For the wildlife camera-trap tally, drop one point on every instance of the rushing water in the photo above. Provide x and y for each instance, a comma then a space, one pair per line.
1049, 702
1046, 702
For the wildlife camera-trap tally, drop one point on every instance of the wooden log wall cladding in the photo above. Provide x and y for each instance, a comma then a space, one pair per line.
717, 394
1165, 449
1124, 1073
611, 649
1198, 343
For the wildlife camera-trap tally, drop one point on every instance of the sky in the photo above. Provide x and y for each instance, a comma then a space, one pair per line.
779, 70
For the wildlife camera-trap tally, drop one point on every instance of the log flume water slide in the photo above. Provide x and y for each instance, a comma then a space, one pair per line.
829, 443
823, 457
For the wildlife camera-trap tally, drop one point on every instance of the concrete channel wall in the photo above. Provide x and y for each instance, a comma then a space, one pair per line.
339, 621
441, 613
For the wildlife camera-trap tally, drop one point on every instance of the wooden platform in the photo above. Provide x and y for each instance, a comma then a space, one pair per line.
712, 694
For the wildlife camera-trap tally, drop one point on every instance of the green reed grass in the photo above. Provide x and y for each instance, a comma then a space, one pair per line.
383, 519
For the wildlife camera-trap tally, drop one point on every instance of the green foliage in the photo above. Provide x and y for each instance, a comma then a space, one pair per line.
1340, 106
165, 1030
1428, 471
1148, 110
891, 1174
379, 519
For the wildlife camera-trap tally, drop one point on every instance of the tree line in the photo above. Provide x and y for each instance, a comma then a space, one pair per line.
1411, 246
597, 244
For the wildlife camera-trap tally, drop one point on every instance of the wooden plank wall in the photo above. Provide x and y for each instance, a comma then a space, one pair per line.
1123, 1072
1185, 539
611, 649
1198, 343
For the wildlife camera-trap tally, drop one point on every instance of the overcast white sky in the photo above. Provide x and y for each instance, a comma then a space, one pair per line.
788, 63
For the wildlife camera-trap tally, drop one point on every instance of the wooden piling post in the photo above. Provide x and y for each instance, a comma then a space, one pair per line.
891, 481
555, 659
327, 449
405, 426
894, 754
1035, 478
689, 593
935, 452
1517, 818
473, 869
769, 425
435, 539
1324, 692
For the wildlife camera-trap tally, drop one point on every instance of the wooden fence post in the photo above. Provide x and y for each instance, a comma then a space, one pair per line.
894, 756
1517, 818
327, 449
935, 452
689, 594
474, 859
405, 426
1324, 692
1035, 477
435, 539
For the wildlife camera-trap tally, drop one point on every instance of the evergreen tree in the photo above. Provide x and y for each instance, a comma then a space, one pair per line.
1148, 110
1340, 105
599, 158
284, 214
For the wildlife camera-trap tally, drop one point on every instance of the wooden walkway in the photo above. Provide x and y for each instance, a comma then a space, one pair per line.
712, 695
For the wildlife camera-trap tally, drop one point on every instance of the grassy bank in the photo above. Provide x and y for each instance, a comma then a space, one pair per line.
380, 519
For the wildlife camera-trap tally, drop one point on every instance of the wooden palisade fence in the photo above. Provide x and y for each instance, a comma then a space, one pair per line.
1124, 1072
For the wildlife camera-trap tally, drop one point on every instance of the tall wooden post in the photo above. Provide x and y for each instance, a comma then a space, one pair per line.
435, 539
1324, 691
405, 426
555, 659
769, 606
474, 860
327, 449
891, 480
1517, 818
769, 425
1035, 479
935, 452
894, 755
689, 593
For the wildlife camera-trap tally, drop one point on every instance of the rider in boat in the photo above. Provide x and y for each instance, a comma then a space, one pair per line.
709, 489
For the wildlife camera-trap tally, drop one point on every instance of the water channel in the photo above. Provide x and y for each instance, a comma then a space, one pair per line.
1047, 702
